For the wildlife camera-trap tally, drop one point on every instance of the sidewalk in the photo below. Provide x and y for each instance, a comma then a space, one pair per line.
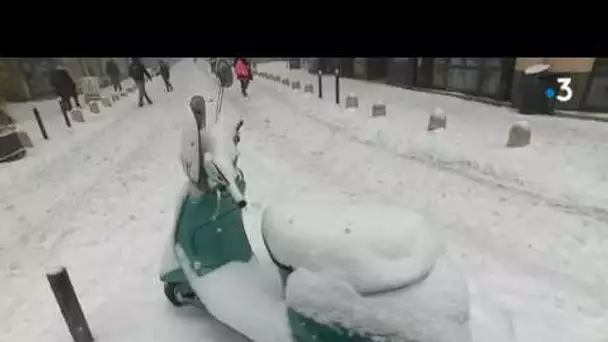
603, 117
559, 113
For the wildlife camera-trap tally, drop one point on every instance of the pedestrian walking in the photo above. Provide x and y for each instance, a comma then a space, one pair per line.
164, 73
113, 72
242, 68
139, 74
65, 87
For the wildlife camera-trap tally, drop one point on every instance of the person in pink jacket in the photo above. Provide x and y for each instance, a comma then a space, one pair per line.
242, 68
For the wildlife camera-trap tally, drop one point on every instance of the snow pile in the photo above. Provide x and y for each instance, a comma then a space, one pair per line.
243, 296
372, 247
434, 310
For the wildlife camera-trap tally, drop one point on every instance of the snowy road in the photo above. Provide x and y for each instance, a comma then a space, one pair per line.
102, 204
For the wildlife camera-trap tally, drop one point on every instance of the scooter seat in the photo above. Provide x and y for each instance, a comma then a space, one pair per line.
374, 248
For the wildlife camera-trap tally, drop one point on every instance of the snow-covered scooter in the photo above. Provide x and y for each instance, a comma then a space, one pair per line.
345, 272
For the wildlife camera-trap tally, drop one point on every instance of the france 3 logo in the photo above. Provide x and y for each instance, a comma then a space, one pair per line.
564, 93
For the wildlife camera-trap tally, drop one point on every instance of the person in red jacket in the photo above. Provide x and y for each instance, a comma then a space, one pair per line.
242, 68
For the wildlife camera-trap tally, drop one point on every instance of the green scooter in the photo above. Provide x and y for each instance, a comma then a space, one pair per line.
341, 276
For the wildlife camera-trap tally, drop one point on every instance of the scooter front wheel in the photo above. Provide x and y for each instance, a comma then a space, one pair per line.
174, 295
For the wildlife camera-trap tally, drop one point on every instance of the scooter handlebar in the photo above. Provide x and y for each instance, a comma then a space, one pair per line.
236, 194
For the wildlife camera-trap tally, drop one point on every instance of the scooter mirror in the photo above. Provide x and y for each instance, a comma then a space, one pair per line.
223, 70
198, 108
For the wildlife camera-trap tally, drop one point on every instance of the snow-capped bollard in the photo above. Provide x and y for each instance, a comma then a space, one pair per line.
106, 102
77, 115
309, 88
286, 82
352, 101
124, 93
295, 85
378, 109
519, 134
115, 97
437, 120
94, 107
68, 304
25, 139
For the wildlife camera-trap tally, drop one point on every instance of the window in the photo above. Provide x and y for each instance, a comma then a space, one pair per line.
463, 79
457, 61
472, 62
491, 82
598, 92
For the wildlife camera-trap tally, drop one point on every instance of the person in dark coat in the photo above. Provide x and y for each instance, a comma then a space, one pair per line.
114, 73
164, 73
138, 73
65, 87
242, 68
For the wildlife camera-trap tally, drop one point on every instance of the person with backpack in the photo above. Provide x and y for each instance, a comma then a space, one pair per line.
65, 87
242, 68
114, 73
164, 73
138, 73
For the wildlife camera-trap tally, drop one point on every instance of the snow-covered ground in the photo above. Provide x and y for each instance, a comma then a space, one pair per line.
526, 226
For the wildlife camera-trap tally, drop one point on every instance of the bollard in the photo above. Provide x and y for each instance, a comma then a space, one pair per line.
352, 101
378, 109
77, 116
286, 82
320, 76
437, 120
309, 88
69, 305
65, 115
519, 134
40, 124
106, 102
295, 85
94, 107
337, 86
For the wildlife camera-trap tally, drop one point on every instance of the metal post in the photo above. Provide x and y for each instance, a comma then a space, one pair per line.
337, 86
40, 124
320, 75
65, 114
69, 305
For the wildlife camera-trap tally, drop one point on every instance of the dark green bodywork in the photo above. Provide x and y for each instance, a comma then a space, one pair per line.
215, 236
305, 329
211, 233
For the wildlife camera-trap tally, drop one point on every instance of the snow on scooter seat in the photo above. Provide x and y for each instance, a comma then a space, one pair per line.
245, 296
433, 310
374, 248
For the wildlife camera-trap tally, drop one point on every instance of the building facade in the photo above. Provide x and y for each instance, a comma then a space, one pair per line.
494, 78
23, 79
